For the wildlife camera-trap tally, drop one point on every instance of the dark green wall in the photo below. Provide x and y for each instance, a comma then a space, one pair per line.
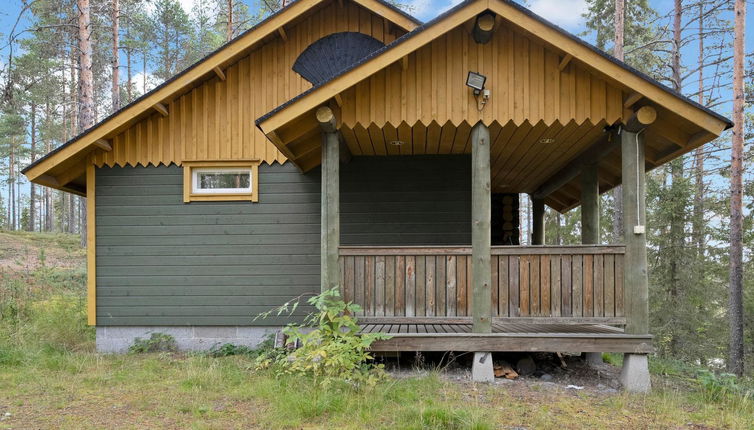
163, 262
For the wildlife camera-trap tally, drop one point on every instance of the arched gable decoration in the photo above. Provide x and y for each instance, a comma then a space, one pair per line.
332, 54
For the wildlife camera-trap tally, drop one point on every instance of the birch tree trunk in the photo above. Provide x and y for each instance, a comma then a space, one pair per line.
697, 224
735, 302
116, 56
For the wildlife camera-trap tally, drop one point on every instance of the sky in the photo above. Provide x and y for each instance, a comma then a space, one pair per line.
565, 13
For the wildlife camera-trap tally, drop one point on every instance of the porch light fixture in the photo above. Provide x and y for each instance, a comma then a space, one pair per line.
397, 142
476, 82
547, 140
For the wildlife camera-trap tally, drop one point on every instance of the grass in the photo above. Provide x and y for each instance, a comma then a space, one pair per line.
50, 377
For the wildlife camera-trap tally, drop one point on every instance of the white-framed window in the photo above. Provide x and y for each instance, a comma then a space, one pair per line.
220, 180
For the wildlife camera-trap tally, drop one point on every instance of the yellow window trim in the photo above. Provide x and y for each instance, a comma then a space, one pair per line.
189, 165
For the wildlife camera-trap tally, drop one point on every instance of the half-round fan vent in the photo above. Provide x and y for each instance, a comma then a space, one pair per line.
332, 54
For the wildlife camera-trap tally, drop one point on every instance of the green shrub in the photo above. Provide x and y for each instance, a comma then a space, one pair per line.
229, 349
60, 322
716, 387
157, 342
331, 347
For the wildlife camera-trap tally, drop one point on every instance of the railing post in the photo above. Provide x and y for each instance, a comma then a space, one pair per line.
481, 235
330, 200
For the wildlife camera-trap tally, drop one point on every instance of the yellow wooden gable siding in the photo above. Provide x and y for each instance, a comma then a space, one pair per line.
523, 75
215, 120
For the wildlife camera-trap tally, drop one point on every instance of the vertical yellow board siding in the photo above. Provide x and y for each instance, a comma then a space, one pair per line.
91, 249
215, 120
522, 74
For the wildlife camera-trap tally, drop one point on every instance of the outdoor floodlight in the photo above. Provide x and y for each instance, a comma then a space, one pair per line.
476, 81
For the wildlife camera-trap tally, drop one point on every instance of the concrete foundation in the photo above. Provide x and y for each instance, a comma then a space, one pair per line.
481, 370
117, 340
635, 373
593, 358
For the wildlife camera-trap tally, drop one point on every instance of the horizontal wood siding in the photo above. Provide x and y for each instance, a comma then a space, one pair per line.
164, 262
215, 120
423, 200
571, 282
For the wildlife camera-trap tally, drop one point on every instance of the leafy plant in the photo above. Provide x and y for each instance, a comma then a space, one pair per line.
718, 386
157, 342
331, 347
229, 349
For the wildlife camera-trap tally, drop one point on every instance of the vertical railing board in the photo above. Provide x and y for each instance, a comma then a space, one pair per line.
369, 283
588, 285
400, 285
566, 283
577, 284
410, 285
599, 292
469, 283
431, 274
494, 262
504, 282
440, 287
544, 285
609, 285
462, 304
342, 285
359, 287
555, 287
379, 285
390, 286
514, 281
348, 295
619, 286
534, 285
524, 289
451, 275
421, 282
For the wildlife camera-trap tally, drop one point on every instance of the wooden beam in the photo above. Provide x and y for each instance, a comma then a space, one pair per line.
69, 175
103, 144
404, 62
326, 119
641, 119
635, 282
283, 34
219, 72
338, 99
591, 155
631, 100
483, 27
564, 62
161, 108
481, 235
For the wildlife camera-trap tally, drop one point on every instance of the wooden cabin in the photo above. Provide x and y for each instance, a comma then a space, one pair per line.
345, 144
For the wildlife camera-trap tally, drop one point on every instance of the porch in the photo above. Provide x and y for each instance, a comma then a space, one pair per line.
543, 298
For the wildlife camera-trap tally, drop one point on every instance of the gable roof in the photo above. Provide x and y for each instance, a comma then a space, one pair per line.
77, 148
520, 16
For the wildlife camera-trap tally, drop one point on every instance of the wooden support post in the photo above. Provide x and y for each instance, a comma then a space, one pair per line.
481, 234
590, 205
330, 200
538, 224
635, 282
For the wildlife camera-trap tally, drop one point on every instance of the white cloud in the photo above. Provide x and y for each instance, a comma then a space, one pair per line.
138, 82
564, 13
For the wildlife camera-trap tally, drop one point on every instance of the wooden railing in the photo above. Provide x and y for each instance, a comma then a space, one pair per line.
584, 282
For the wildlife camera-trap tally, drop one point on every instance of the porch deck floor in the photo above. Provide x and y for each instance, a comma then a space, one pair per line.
508, 337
